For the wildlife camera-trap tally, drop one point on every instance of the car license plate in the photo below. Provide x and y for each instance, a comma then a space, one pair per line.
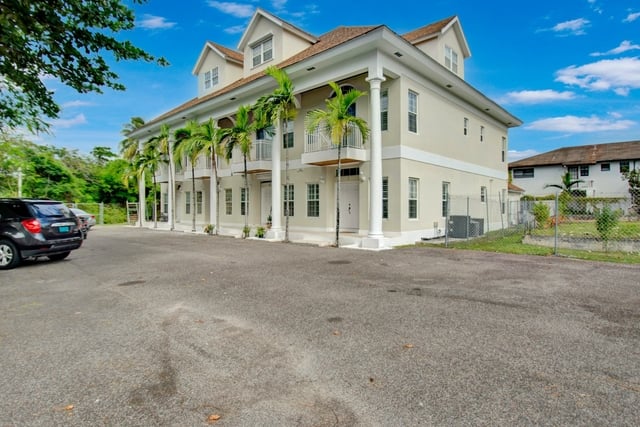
63, 229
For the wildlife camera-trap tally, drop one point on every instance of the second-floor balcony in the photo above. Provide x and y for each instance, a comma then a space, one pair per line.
258, 160
319, 150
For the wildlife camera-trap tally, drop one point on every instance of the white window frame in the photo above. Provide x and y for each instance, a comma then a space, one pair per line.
384, 109
288, 138
262, 51
313, 200
412, 197
228, 201
244, 203
207, 79
288, 199
187, 202
214, 76
451, 59
445, 198
199, 202
412, 108
483, 194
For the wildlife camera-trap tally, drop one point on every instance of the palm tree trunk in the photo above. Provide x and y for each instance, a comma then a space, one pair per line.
338, 197
215, 174
246, 195
172, 191
195, 201
286, 185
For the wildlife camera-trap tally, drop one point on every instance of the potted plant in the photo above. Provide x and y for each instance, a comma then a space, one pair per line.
269, 221
209, 228
246, 231
260, 232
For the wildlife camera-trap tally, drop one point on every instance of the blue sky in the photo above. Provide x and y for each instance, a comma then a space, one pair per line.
569, 69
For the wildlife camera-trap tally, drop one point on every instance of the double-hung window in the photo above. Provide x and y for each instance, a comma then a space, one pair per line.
483, 194
287, 137
445, 199
187, 202
207, 79
385, 197
413, 198
262, 52
413, 112
228, 201
288, 200
211, 78
199, 202
451, 59
244, 202
313, 200
584, 170
384, 110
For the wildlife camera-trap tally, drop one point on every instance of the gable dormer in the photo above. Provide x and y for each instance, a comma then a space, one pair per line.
217, 66
268, 40
444, 41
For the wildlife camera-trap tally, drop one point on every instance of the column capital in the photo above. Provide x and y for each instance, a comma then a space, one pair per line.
375, 80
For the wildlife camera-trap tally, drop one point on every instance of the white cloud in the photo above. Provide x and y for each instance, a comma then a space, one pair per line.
537, 96
237, 29
73, 104
151, 22
574, 124
278, 4
575, 26
623, 47
631, 17
619, 75
238, 10
513, 155
68, 123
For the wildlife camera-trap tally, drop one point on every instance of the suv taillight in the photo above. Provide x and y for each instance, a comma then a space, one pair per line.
32, 225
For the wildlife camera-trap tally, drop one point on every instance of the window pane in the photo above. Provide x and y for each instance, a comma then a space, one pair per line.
385, 197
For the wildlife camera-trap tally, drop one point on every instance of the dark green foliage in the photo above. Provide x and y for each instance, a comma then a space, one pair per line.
541, 214
606, 221
66, 39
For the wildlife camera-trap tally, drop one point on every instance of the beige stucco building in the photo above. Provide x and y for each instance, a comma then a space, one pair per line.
432, 134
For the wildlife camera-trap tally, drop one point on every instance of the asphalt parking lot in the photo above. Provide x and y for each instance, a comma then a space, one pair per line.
143, 327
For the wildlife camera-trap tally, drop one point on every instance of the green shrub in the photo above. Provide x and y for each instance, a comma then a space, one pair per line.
541, 214
606, 221
260, 231
246, 231
114, 214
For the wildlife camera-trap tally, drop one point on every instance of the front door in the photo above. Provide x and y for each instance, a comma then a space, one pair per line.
349, 206
265, 202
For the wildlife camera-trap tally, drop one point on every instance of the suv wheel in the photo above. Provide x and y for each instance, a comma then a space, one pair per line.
9, 256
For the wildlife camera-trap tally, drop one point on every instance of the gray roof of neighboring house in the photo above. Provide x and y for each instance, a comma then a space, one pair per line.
583, 155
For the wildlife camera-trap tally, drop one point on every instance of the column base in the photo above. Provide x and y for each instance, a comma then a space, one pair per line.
274, 234
375, 243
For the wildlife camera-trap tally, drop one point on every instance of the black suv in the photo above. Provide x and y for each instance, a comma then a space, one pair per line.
34, 228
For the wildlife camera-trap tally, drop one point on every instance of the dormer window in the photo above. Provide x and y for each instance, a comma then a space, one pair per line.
211, 78
262, 52
451, 59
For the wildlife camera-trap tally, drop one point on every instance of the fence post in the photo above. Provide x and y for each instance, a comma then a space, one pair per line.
555, 228
101, 213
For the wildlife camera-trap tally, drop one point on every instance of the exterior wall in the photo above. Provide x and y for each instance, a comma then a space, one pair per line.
435, 48
285, 45
227, 73
599, 183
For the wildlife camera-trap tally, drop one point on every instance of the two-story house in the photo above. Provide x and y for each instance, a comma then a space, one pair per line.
432, 134
599, 167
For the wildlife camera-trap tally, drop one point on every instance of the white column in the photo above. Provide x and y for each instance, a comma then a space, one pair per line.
213, 197
276, 231
375, 196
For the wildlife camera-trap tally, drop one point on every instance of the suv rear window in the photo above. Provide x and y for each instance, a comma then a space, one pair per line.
14, 210
50, 210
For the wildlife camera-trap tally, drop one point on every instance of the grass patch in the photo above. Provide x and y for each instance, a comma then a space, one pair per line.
622, 230
512, 244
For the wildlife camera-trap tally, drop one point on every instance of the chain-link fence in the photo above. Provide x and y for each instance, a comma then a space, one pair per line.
563, 222
571, 221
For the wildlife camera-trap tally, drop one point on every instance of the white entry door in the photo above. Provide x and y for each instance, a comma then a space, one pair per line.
265, 202
349, 206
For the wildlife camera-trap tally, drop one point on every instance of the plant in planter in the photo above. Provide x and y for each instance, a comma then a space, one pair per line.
260, 231
209, 228
269, 221
246, 231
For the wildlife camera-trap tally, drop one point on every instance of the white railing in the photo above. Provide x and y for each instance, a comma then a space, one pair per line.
318, 140
260, 151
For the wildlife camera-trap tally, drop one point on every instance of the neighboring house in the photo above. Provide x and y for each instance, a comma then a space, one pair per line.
432, 134
599, 166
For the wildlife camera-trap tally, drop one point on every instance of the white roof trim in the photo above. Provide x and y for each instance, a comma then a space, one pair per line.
203, 54
277, 21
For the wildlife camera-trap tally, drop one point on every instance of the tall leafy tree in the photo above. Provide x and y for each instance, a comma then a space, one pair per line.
280, 106
130, 146
187, 145
337, 121
240, 136
147, 160
66, 39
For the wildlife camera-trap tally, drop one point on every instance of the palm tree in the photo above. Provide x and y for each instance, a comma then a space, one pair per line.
190, 147
240, 135
209, 136
567, 183
163, 144
337, 121
280, 106
129, 149
146, 159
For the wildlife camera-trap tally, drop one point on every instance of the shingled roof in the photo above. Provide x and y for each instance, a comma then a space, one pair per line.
325, 42
428, 30
583, 155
